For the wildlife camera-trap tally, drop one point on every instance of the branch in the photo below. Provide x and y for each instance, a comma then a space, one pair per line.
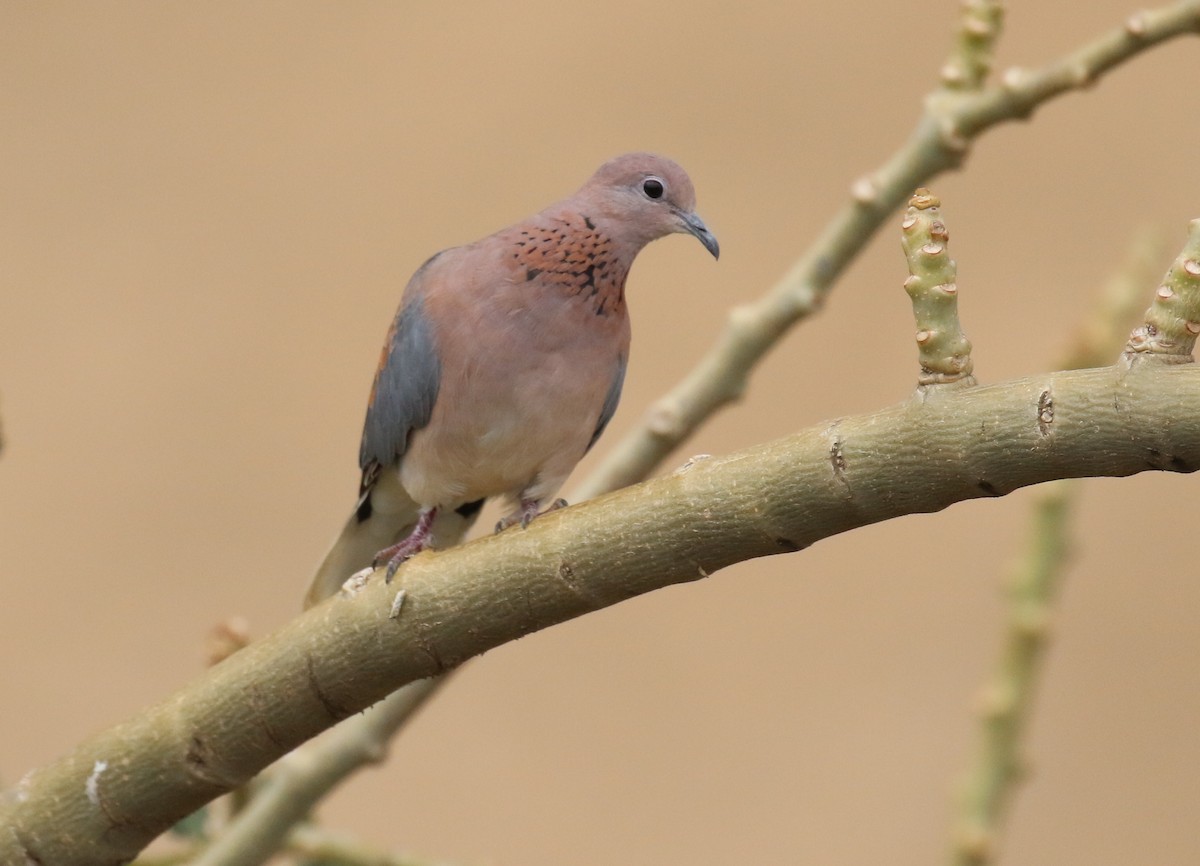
297, 783
112, 795
1005, 704
952, 119
288, 793
720, 378
312, 844
751, 333
331, 849
968, 67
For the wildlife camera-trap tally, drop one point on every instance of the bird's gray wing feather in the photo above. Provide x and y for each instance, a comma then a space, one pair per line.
405, 389
611, 399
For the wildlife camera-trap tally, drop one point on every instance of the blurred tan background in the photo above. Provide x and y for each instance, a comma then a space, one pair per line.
209, 211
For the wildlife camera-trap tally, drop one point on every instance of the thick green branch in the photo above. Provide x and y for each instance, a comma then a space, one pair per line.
112, 795
951, 120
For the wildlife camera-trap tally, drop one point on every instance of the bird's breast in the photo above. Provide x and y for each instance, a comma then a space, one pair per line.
524, 378
569, 256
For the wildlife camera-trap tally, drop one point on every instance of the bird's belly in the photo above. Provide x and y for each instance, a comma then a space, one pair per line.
500, 436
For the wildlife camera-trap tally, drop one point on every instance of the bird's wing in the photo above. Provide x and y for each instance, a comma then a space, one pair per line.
611, 399
404, 391
405, 387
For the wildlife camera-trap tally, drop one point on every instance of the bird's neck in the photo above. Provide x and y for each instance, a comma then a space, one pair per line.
569, 252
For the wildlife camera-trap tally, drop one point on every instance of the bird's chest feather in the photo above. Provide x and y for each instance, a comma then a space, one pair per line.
526, 365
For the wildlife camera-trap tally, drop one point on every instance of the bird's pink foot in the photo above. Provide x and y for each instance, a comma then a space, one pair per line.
527, 512
407, 547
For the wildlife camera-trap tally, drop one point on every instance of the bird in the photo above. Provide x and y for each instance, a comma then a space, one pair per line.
503, 365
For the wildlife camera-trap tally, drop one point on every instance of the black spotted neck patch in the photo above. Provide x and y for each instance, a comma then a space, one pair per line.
571, 255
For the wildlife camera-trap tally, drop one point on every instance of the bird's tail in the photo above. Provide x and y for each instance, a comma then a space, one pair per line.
384, 514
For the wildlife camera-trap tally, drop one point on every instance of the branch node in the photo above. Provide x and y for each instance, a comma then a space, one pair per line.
1032, 622
355, 583
375, 751
92, 785
1135, 25
837, 459
1082, 75
995, 701
692, 461
1045, 412
865, 190
200, 762
21, 793
566, 576
988, 488
226, 638
953, 75
953, 139
664, 420
1012, 78
975, 844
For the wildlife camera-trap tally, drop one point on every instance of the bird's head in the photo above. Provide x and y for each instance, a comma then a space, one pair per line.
643, 197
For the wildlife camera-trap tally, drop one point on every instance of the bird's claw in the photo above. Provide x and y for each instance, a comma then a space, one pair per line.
527, 513
393, 564
395, 556
403, 550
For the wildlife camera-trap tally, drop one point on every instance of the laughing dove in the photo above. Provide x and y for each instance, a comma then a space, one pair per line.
503, 366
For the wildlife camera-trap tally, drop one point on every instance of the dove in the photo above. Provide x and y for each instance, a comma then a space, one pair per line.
503, 365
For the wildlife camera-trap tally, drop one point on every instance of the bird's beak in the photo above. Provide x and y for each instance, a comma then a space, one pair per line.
693, 225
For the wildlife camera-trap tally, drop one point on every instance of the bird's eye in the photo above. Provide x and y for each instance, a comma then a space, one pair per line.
653, 187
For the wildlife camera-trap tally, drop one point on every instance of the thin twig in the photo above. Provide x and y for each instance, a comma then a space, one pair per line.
1004, 705
968, 66
335, 849
310, 843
